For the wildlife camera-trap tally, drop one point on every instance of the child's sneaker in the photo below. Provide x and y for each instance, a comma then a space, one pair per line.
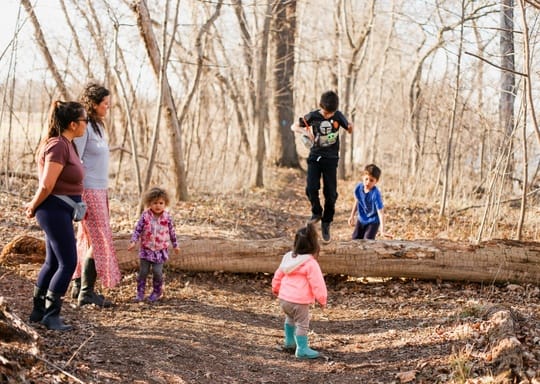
325, 231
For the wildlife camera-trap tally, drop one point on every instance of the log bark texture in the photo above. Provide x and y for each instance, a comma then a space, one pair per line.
497, 261
493, 261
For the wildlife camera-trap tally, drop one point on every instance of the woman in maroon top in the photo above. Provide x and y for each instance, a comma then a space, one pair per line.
60, 173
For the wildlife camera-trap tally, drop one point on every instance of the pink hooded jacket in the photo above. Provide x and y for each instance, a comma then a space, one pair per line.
299, 280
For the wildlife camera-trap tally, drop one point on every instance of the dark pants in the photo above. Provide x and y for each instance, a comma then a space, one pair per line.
157, 270
54, 217
368, 231
327, 169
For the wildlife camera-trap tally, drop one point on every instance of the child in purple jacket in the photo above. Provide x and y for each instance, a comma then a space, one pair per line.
155, 230
298, 282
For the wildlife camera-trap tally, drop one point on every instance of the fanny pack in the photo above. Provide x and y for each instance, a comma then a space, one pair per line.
79, 208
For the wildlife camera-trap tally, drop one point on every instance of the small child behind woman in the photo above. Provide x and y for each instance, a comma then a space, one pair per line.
154, 229
298, 282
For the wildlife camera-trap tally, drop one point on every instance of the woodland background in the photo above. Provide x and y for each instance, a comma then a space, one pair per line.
442, 94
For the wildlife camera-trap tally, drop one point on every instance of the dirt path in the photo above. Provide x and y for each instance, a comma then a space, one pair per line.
226, 328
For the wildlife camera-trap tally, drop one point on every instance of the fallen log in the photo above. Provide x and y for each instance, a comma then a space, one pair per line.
489, 262
492, 261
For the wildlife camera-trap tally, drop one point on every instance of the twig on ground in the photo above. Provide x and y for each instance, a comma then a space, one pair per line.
78, 349
60, 369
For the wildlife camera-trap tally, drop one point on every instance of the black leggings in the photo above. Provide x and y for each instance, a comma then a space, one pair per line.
327, 168
54, 217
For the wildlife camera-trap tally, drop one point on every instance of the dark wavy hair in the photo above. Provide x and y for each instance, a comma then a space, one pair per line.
306, 241
92, 95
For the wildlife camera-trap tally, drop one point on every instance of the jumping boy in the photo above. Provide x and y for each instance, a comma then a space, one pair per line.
367, 214
320, 129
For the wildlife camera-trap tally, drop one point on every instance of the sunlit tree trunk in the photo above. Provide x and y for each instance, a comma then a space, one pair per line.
284, 39
356, 43
45, 51
169, 109
262, 105
447, 176
508, 80
164, 59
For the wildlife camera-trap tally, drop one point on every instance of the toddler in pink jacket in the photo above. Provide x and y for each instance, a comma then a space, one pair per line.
298, 282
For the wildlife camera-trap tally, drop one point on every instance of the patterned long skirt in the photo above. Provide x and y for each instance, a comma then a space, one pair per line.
95, 235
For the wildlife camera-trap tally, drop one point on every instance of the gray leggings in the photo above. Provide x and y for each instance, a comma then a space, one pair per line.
297, 315
157, 270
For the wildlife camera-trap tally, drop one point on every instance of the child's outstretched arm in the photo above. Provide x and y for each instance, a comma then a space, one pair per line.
350, 128
352, 217
380, 213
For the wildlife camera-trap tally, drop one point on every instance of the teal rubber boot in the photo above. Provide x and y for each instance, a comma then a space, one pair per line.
302, 349
289, 342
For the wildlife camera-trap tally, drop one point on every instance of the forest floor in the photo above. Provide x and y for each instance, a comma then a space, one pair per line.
227, 328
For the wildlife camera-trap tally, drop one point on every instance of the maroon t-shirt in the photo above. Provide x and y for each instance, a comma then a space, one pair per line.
62, 151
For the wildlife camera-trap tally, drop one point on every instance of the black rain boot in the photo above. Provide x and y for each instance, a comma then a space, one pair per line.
88, 281
51, 318
39, 305
75, 288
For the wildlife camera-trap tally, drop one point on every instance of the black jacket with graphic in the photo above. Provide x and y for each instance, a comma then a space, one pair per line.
326, 133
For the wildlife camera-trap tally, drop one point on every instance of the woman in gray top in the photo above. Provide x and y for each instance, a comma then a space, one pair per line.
96, 254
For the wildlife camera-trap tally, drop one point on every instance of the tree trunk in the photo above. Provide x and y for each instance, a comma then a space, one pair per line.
262, 105
285, 27
177, 154
449, 155
508, 78
45, 50
492, 261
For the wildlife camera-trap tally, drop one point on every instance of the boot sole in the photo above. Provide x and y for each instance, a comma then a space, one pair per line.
307, 357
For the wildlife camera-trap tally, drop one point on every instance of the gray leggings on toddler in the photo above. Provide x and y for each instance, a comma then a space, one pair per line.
157, 270
297, 315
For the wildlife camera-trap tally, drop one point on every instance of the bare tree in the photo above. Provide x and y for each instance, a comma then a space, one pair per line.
284, 40
169, 109
529, 106
452, 126
45, 50
125, 99
508, 80
356, 40
261, 104
165, 55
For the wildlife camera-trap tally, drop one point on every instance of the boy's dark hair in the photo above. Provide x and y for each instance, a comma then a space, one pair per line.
154, 194
373, 170
306, 241
329, 101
